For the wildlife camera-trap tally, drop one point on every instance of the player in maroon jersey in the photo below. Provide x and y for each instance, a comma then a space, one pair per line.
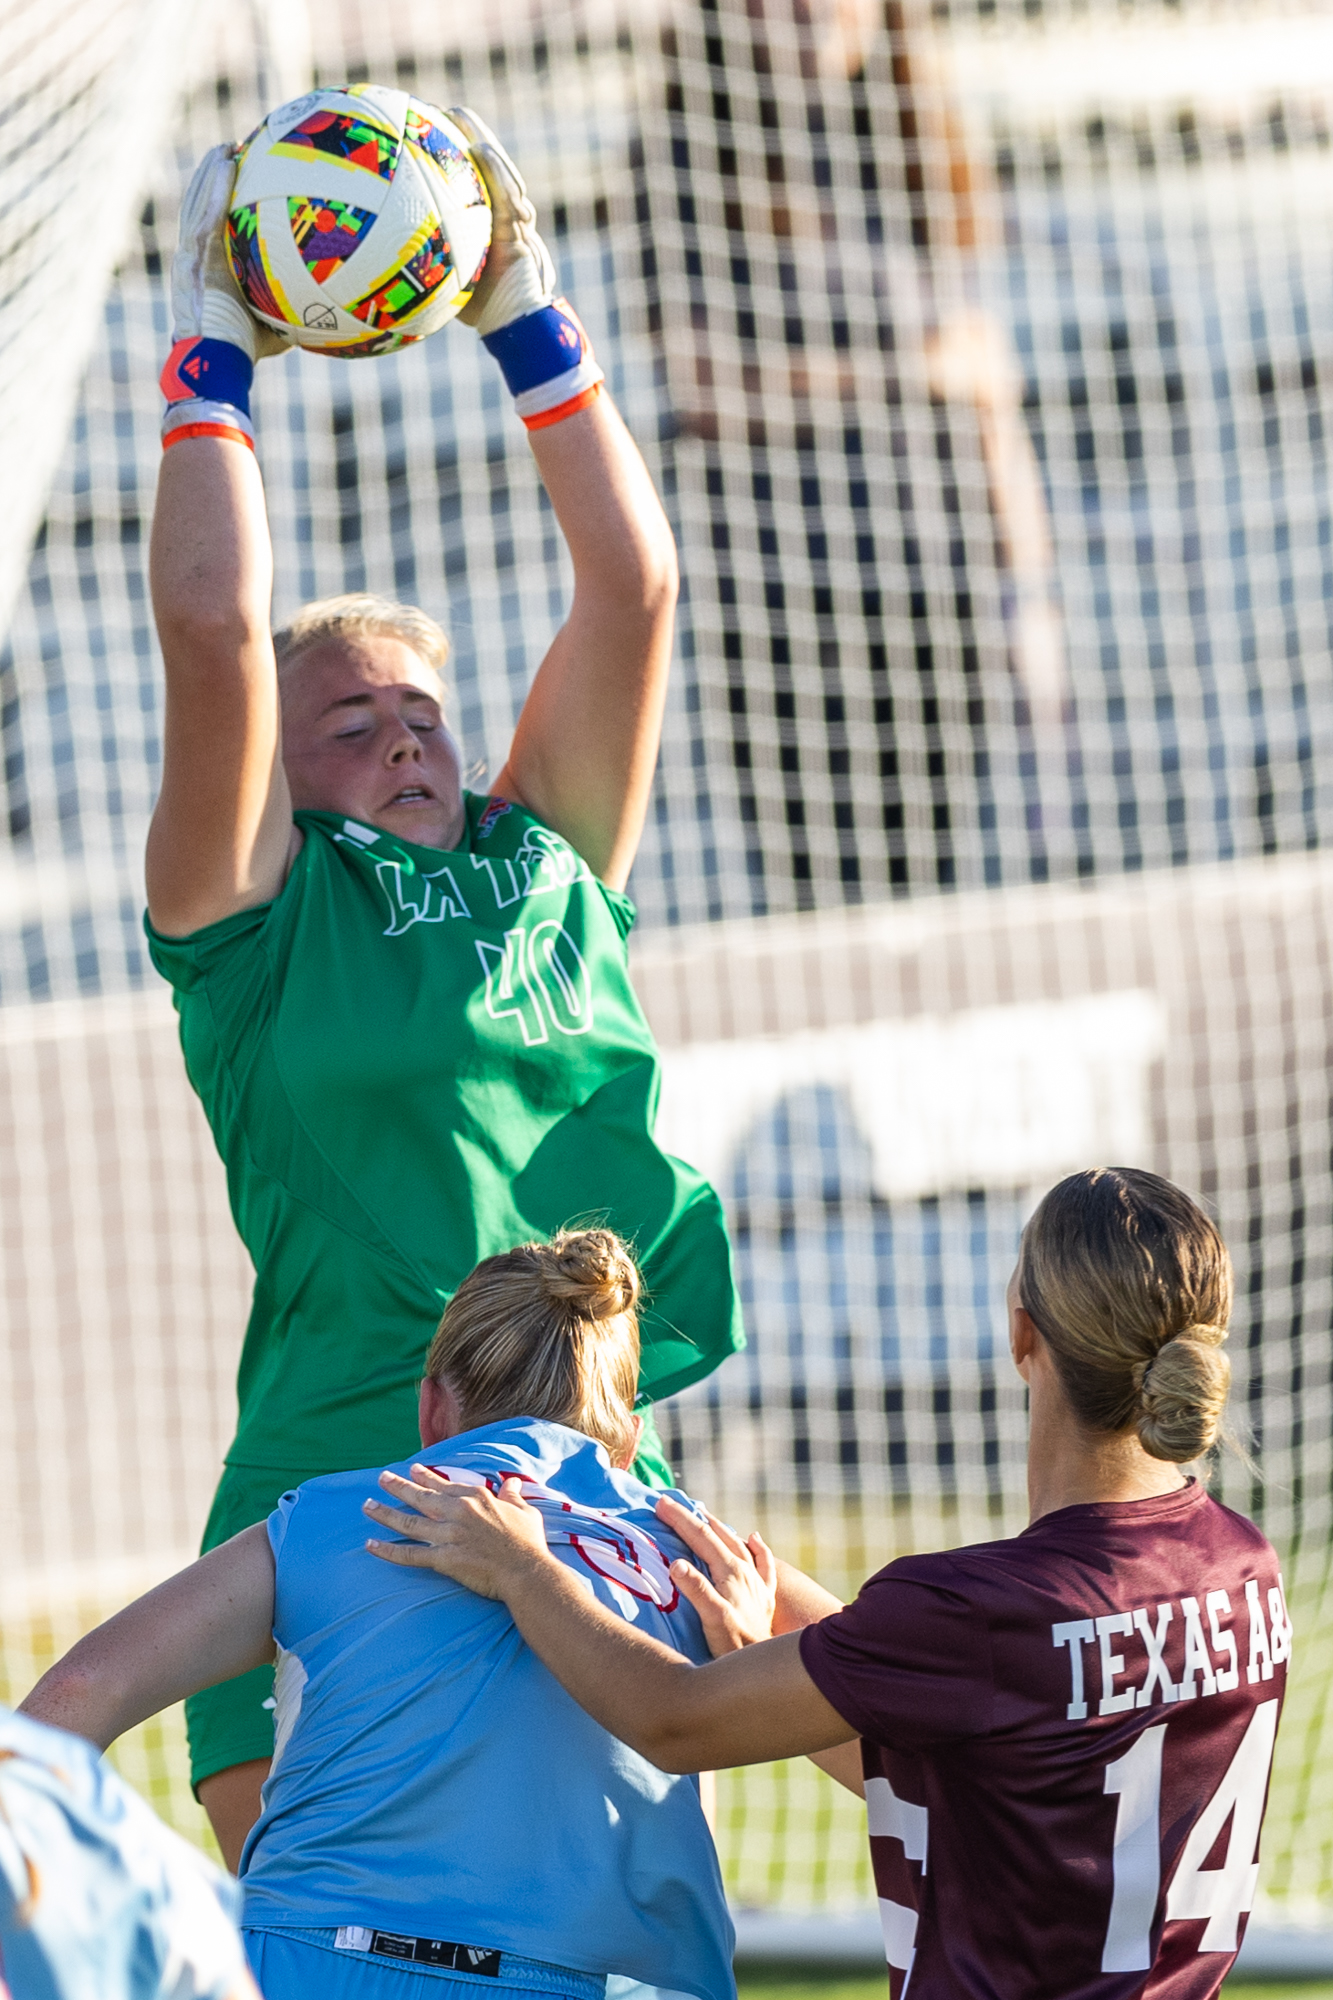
1065, 1737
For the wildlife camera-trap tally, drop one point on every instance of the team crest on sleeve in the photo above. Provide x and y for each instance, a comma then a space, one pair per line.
494, 813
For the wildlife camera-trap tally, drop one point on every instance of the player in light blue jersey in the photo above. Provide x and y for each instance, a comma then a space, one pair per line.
439, 1809
99, 1900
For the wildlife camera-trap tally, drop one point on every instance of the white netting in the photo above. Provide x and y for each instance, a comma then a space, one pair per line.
90, 90
982, 356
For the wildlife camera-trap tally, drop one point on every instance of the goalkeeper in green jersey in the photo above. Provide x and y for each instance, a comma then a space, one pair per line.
405, 1007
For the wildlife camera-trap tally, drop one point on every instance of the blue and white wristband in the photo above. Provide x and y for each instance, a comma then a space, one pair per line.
548, 364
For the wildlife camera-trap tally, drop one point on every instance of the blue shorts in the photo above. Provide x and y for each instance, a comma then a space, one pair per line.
293, 1965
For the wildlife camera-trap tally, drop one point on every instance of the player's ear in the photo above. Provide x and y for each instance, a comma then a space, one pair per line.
1022, 1339
1022, 1329
439, 1412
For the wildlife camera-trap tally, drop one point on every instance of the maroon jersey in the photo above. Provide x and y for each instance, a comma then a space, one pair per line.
1067, 1740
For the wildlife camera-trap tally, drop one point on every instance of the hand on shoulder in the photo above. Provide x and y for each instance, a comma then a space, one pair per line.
467, 1533
735, 1600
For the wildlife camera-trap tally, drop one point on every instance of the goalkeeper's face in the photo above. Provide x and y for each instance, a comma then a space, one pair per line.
363, 733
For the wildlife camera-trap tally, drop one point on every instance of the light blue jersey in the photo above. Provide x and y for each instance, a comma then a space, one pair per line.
432, 1779
99, 1900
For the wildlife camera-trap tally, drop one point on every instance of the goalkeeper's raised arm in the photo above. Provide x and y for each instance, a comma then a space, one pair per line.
246, 744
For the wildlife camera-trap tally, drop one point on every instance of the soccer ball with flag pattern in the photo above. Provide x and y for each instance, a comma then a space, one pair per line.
359, 221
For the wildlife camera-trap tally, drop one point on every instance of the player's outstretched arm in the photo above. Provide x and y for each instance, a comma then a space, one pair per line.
583, 754
745, 1708
586, 745
212, 1621
800, 1602
222, 829
222, 826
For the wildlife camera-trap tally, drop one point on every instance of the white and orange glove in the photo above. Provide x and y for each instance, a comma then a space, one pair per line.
537, 338
215, 338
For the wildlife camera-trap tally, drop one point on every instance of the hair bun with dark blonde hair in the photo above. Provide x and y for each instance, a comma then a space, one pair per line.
590, 1273
548, 1330
1183, 1394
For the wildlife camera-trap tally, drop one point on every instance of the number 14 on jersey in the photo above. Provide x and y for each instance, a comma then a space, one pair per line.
1219, 1896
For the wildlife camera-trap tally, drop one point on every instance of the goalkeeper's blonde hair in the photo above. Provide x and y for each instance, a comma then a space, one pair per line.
361, 614
547, 1330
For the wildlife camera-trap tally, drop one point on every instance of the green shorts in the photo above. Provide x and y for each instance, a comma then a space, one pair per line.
232, 1722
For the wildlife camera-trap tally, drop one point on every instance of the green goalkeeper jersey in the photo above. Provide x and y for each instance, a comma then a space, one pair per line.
411, 1059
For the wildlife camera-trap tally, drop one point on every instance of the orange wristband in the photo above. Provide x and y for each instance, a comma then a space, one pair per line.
563, 410
206, 431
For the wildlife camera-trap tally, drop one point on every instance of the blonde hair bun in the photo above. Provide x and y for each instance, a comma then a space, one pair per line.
548, 1330
1183, 1395
590, 1273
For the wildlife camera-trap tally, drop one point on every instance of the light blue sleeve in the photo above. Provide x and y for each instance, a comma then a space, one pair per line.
277, 1522
686, 1500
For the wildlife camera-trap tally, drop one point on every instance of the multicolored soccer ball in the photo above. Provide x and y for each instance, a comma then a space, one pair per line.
358, 222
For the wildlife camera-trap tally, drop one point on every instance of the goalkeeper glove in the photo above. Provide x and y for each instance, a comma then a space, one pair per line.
216, 339
542, 349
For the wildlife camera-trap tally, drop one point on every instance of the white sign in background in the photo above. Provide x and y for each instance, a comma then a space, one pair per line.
993, 1097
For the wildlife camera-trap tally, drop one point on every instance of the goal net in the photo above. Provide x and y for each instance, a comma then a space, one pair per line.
90, 89
979, 352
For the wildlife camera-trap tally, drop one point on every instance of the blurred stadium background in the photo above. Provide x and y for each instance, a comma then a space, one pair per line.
984, 353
